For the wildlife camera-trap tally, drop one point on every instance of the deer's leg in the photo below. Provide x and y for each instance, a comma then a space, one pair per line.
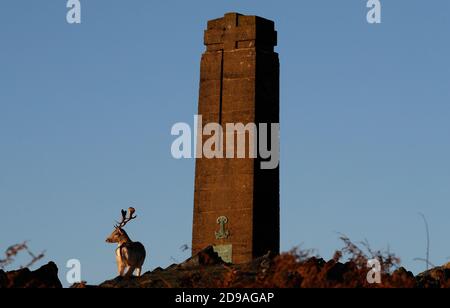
130, 271
121, 268
120, 264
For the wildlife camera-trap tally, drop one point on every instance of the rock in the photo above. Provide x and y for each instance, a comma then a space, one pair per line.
158, 269
401, 278
206, 257
3, 279
335, 271
123, 282
437, 277
82, 285
402, 272
318, 263
426, 281
44, 277
172, 267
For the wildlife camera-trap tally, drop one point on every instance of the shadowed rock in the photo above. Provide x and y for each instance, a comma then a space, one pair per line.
44, 277
206, 257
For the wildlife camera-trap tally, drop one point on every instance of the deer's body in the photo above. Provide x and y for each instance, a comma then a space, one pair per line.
129, 255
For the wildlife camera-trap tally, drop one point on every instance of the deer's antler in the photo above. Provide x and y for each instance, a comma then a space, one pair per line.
126, 219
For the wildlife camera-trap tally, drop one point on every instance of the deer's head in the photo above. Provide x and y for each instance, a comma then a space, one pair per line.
119, 235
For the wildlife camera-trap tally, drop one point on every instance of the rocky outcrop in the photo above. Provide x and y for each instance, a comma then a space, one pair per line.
205, 257
207, 270
438, 277
202, 269
44, 277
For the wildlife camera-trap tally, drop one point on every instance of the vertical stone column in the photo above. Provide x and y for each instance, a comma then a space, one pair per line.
236, 203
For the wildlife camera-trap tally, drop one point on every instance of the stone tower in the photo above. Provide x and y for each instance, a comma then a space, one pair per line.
236, 203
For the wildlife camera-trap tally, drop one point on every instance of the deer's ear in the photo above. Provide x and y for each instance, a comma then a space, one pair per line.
119, 230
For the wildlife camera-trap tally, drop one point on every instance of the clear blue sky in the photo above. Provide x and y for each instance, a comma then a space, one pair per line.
86, 112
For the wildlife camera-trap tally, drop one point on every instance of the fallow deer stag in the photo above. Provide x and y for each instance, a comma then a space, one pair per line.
129, 254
